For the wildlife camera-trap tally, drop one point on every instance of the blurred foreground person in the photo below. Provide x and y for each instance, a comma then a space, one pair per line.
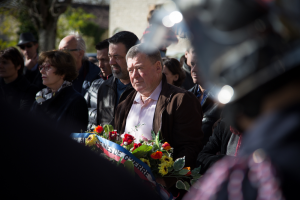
64, 107
15, 89
254, 65
87, 71
186, 66
46, 163
91, 95
28, 46
173, 71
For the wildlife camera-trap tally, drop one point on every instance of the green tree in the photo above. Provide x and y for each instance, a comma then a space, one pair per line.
77, 20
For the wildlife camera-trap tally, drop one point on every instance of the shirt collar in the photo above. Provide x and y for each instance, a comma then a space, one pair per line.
154, 96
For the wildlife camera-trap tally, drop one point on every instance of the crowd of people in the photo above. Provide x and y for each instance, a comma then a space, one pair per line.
137, 84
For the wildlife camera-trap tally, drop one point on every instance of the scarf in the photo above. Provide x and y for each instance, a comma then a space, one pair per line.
46, 93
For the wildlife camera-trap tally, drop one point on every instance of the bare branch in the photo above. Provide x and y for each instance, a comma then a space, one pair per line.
59, 7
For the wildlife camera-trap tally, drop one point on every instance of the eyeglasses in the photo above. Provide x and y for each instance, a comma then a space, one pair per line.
45, 66
68, 50
25, 45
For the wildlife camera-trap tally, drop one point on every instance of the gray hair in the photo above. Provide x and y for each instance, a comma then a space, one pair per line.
151, 52
80, 41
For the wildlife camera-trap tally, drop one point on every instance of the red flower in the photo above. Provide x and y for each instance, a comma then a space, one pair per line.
135, 146
157, 155
112, 135
189, 173
98, 129
166, 146
127, 140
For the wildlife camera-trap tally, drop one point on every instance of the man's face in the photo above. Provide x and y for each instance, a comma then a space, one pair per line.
144, 75
117, 60
29, 50
194, 70
188, 55
102, 57
69, 43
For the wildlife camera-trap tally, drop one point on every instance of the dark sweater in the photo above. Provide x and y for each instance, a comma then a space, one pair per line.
67, 110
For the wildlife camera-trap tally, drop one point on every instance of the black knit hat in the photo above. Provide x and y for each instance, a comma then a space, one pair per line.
25, 38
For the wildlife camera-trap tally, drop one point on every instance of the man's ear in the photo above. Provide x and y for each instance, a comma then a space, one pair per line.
81, 53
186, 54
18, 67
158, 66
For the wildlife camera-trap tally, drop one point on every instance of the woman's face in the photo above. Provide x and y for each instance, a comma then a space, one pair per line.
170, 77
8, 71
50, 79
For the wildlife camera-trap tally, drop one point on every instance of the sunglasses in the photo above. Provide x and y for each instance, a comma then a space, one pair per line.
45, 66
25, 45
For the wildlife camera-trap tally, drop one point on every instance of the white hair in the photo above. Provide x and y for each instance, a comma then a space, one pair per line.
80, 41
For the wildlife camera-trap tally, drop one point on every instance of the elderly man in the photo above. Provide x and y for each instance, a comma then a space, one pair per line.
159, 106
88, 72
28, 46
116, 88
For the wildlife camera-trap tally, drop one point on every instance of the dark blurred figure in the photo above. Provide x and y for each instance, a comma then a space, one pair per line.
116, 88
28, 46
15, 89
173, 71
225, 141
40, 161
256, 57
91, 95
186, 66
64, 107
93, 60
87, 71
211, 109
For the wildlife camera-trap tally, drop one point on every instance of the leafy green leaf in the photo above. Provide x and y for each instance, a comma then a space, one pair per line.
193, 181
153, 135
183, 171
179, 163
196, 176
170, 169
180, 185
187, 185
128, 164
196, 171
142, 151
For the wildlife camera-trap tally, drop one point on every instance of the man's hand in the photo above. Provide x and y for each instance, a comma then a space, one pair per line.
30, 63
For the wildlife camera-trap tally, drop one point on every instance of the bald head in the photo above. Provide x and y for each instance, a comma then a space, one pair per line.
76, 46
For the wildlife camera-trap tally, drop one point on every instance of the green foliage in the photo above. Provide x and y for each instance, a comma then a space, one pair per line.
77, 20
8, 27
179, 163
180, 185
196, 171
187, 185
142, 151
183, 171
129, 166
193, 181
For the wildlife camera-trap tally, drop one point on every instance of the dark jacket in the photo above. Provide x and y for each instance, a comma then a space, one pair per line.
34, 77
106, 100
211, 113
178, 116
188, 81
90, 73
91, 100
19, 93
215, 148
67, 110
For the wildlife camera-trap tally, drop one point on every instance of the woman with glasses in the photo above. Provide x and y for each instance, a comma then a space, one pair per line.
14, 87
59, 102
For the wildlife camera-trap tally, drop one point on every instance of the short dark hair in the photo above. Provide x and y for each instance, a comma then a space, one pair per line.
151, 52
62, 61
12, 54
102, 45
127, 38
175, 68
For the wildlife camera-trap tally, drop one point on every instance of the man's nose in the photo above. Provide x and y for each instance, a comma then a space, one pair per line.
112, 61
135, 73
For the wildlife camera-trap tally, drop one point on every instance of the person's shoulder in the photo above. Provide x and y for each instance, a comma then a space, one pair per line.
93, 68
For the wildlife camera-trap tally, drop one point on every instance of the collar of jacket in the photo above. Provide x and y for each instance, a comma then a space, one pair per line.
185, 67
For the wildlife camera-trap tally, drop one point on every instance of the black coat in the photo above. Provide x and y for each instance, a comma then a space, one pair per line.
215, 148
106, 100
67, 110
91, 100
34, 77
19, 93
188, 81
211, 113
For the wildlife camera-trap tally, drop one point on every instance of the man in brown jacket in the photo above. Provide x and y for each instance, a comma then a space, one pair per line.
173, 111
